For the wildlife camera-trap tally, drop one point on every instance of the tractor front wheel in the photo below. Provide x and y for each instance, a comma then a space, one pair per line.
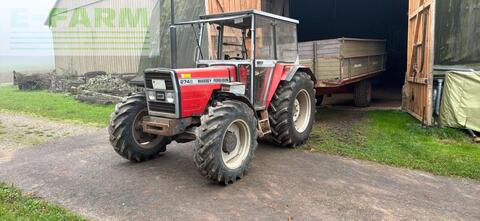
126, 131
226, 142
292, 111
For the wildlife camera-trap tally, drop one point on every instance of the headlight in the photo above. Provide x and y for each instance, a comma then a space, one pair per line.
151, 95
170, 97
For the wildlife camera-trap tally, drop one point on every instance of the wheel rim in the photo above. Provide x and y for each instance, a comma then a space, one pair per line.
234, 154
143, 140
302, 111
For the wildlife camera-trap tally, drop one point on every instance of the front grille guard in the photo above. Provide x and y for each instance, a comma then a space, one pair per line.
176, 89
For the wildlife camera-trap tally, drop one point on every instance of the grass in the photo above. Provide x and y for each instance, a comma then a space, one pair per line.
395, 138
53, 106
17, 206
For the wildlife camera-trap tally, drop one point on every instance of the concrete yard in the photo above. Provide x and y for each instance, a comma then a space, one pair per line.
84, 174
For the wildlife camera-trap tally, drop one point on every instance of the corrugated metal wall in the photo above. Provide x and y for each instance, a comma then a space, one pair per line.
119, 49
84, 41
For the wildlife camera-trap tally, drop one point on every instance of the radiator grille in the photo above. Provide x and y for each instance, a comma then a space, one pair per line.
162, 107
159, 76
159, 105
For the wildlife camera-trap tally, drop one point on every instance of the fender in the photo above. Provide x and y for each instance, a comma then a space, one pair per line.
232, 96
285, 72
294, 69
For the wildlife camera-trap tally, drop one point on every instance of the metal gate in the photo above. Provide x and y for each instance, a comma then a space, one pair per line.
419, 77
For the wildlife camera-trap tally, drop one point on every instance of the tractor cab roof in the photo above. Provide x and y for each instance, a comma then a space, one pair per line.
239, 19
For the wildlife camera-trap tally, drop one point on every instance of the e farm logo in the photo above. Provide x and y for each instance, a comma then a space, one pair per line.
82, 31
100, 18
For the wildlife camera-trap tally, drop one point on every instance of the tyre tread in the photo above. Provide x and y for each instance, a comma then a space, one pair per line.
117, 127
279, 111
208, 139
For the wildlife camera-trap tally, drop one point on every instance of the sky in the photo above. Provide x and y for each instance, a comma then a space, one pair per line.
25, 42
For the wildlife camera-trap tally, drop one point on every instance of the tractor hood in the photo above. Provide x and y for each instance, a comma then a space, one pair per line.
192, 89
198, 85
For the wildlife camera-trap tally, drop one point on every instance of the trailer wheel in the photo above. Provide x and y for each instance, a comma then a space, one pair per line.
363, 93
292, 111
126, 133
226, 142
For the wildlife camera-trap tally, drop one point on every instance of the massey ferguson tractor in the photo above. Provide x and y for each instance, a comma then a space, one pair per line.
247, 85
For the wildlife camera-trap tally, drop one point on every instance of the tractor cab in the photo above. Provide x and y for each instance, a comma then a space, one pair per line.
246, 84
251, 41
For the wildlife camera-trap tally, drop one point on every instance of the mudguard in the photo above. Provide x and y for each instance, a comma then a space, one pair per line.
295, 69
285, 72
232, 96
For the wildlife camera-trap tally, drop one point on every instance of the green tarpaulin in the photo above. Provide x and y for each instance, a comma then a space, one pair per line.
460, 106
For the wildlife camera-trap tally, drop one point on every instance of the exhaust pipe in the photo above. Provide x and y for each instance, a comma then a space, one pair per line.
173, 36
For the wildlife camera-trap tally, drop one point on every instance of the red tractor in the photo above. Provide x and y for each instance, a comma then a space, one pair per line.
249, 87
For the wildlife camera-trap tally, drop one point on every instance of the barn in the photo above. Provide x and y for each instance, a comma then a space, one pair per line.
425, 38
121, 36
92, 35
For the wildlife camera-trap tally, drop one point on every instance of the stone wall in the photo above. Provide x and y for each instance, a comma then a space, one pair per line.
104, 89
64, 81
93, 87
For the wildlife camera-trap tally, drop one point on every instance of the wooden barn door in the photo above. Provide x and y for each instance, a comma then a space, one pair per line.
230, 35
220, 6
419, 77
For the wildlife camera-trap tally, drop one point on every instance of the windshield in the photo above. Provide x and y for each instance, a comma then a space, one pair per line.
230, 38
228, 43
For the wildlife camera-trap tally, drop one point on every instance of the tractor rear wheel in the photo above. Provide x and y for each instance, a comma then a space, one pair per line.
292, 111
226, 142
362, 93
126, 132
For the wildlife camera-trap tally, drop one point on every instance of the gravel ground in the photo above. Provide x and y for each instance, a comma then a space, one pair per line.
19, 131
82, 173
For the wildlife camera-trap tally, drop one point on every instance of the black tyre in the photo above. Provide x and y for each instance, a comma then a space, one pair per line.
226, 142
126, 133
292, 111
362, 93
